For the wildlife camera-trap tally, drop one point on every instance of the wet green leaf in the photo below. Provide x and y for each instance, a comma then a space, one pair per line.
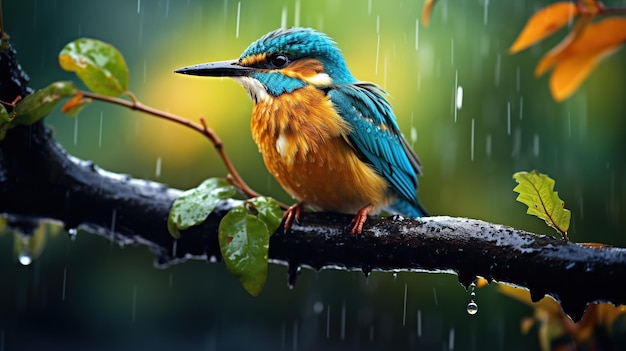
536, 190
244, 243
195, 205
5, 121
268, 211
98, 64
38, 104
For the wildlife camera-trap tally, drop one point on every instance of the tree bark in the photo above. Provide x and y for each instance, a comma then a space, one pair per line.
39, 180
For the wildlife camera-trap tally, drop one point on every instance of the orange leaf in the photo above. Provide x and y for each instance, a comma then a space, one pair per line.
72, 103
576, 60
426, 11
543, 23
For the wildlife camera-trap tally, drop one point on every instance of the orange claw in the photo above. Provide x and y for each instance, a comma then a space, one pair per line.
293, 212
359, 219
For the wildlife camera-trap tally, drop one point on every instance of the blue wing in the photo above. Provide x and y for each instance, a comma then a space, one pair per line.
377, 140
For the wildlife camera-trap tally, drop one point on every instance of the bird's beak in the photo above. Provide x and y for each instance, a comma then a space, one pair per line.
230, 68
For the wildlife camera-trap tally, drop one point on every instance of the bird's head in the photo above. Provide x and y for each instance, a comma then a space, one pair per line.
280, 62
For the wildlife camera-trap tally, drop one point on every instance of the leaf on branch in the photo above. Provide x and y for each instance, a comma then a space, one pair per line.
543, 23
195, 205
598, 320
5, 121
38, 104
98, 64
268, 211
579, 53
536, 190
244, 244
74, 105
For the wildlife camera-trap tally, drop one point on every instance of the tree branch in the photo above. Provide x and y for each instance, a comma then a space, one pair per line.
39, 180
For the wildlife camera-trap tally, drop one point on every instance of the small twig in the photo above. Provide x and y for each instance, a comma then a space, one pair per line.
233, 177
13, 103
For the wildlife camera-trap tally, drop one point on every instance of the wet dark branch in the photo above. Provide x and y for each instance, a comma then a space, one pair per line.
39, 180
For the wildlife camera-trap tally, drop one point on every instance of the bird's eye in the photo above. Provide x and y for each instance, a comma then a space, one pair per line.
279, 61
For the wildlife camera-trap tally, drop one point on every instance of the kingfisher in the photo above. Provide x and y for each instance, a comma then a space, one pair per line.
330, 140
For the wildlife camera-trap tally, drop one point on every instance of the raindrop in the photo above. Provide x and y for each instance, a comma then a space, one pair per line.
328, 322
472, 306
472, 142
435, 296
342, 334
283, 18
75, 130
521, 106
294, 345
134, 308
508, 118
157, 171
456, 86
174, 248
404, 307
536, 145
238, 17
395, 276
459, 97
451, 339
496, 79
25, 257
171, 280
417, 32
297, 14
100, 133
138, 6
517, 79
486, 12
292, 274
488, 145
419, 323
71, 232
64, 283
113, 221
378, 24
377, 54
369, 7
318, 307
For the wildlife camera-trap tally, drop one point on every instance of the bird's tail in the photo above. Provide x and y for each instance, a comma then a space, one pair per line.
408, 208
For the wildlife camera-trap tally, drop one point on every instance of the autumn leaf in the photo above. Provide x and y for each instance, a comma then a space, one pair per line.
427, 11
543, 23
579, 53
536, 190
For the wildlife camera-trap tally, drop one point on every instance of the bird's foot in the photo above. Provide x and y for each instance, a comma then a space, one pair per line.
293, 212
359, 219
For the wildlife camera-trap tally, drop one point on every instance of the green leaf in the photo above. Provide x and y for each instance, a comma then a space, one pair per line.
195, 205
5, 121
244, 243
268, 211
38, 104
98, 64
536, 190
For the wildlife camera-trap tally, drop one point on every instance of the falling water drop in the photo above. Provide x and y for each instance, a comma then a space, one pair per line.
342, 333
283, 18
157, 171
64, 283
472, 306
318, 307
404, 307
71, 232
292, 274
419, 323
25, 257
100, 133
417, 32
472, 142
328, 322
238, 17
75, 130
296, 15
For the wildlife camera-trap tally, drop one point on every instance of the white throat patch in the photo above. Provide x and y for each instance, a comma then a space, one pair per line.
255, 89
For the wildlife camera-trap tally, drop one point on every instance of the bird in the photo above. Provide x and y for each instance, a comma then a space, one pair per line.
331, 141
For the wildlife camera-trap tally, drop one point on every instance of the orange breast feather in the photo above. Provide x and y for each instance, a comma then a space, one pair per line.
303, 143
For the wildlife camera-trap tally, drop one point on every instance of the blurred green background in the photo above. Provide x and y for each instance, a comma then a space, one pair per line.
89, 294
